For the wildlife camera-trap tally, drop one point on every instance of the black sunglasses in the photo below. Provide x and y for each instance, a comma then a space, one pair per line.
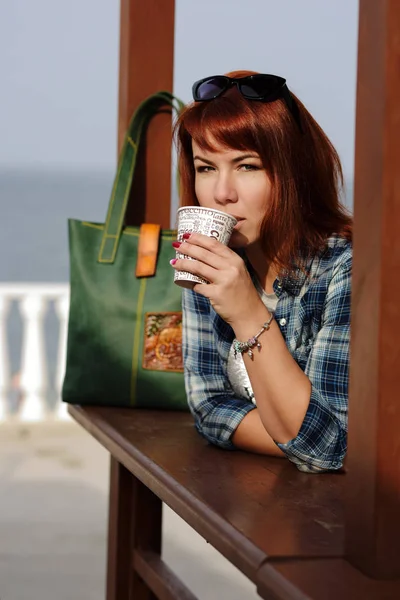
264, 88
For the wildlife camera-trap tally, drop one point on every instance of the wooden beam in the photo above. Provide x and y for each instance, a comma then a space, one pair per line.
373, 498
146, 66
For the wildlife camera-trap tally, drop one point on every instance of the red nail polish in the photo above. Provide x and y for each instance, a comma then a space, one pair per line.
173, 261
176, 244
186, 236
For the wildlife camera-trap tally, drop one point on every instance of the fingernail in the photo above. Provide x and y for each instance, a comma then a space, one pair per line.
176, 244
172, 261
186, 236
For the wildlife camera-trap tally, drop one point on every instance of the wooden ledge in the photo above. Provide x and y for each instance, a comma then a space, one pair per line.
251, 508
321, 579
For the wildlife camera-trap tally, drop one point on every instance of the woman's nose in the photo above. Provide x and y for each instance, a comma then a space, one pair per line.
225, 190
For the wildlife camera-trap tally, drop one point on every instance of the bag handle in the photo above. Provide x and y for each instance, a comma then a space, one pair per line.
125, 172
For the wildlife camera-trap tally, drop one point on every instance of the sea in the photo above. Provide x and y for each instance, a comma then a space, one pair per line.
36, 206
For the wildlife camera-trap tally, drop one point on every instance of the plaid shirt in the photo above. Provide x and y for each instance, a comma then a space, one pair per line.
313, 314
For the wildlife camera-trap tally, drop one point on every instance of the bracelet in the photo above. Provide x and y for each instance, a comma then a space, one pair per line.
242, 347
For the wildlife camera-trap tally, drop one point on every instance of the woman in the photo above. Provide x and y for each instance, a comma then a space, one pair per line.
266, 342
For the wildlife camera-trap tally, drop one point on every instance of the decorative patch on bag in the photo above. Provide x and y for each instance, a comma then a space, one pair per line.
162, 348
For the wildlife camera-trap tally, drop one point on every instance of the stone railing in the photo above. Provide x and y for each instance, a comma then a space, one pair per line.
24, 394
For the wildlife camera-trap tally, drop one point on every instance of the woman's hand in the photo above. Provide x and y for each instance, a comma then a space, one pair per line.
231, 290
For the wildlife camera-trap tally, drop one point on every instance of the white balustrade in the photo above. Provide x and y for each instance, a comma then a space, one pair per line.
62, 309
32, 382
33, 367
4, 362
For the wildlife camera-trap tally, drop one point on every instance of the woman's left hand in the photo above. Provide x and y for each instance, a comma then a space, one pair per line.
231, 291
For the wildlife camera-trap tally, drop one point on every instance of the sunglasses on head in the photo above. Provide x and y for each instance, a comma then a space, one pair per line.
264, 88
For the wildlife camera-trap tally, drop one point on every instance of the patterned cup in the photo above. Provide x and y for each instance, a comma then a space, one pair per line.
197, 219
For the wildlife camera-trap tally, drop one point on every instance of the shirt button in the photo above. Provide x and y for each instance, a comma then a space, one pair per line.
282, 322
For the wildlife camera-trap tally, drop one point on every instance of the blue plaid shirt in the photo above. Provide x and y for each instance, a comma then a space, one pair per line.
313, 314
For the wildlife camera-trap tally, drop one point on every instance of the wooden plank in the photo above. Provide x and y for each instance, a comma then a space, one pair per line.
146, 66
373, 481
249, 507
321, 579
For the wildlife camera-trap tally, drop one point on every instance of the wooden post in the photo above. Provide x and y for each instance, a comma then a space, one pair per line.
134, 529
120, 532
373, 499
147, 534
146, 66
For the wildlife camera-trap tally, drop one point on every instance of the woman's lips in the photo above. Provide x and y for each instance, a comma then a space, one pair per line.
239, 221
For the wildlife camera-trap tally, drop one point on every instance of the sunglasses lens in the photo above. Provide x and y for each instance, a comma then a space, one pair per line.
211, 88
260, 87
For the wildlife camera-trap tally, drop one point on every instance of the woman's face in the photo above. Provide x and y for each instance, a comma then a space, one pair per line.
235, 182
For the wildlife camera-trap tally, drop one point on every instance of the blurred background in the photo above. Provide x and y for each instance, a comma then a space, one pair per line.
58, 124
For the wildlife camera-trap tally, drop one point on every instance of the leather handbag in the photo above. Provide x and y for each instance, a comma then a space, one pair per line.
125, 325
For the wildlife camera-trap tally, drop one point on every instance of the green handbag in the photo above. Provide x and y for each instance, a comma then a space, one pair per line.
124, 332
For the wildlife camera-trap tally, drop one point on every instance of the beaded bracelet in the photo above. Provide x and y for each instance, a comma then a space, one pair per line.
242, 347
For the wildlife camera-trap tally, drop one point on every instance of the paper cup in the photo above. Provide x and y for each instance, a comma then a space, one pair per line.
197, 219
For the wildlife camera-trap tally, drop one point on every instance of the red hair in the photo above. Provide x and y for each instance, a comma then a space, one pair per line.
303, 166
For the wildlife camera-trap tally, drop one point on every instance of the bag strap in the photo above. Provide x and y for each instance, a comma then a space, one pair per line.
125, 172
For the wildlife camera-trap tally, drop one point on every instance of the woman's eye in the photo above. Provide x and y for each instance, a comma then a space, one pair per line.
203, 169
247, 167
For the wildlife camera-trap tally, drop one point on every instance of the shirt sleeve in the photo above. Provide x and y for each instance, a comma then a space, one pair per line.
216, 411
321, 443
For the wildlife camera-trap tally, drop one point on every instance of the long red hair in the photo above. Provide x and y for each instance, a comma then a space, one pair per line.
304, 168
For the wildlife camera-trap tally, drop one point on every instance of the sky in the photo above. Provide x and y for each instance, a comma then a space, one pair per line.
59, 69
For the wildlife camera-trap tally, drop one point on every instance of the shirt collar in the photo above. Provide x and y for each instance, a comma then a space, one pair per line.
290, 281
